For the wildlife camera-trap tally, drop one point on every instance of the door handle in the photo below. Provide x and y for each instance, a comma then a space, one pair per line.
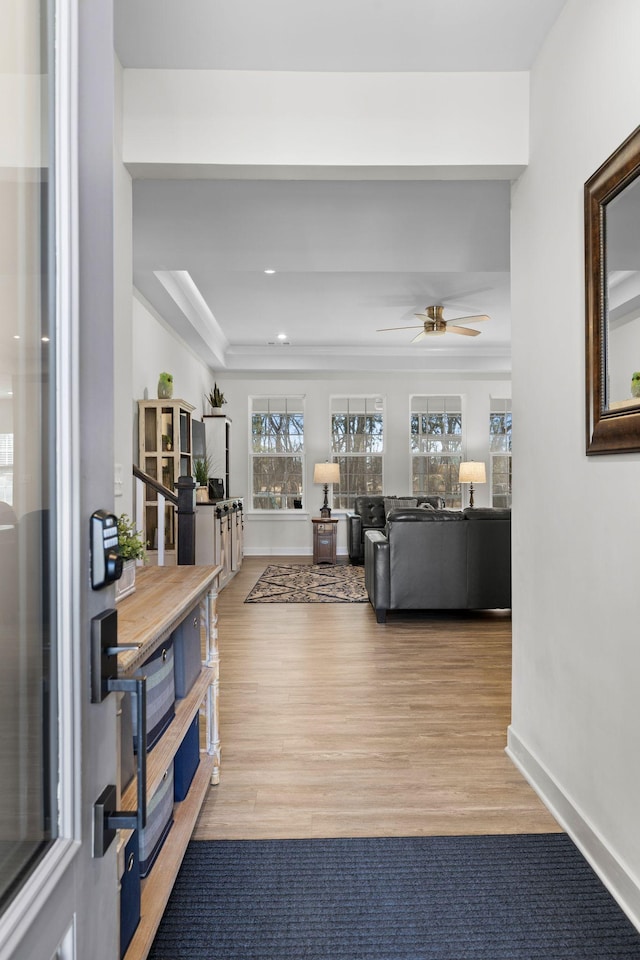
106, 818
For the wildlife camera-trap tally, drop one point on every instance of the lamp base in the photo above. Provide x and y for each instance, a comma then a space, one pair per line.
325, 509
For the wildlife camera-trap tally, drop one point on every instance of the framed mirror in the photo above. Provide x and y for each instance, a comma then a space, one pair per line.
612, 300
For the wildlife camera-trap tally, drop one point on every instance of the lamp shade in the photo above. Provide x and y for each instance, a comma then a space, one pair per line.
326, 473
473, 471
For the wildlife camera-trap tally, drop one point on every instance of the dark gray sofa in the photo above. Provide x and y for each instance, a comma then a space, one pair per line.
369, 514
439, 560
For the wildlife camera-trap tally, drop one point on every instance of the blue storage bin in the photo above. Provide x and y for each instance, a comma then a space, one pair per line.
161, 694
159, 821
130, 893
187, 652
186, 761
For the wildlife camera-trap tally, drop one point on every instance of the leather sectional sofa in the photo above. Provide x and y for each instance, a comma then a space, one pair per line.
439, 560
370, 513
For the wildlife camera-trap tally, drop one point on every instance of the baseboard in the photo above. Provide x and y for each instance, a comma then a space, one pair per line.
613, 873
285, 552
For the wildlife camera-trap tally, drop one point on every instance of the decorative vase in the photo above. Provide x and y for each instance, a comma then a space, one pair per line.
202, 494
216, 411
165, 388
127, 582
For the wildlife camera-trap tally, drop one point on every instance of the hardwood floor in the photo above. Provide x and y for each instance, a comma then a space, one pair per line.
333, 725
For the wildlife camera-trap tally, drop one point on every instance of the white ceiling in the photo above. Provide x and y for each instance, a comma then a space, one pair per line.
343, 35
350, 257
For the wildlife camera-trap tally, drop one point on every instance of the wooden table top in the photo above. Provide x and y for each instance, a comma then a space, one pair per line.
162, 597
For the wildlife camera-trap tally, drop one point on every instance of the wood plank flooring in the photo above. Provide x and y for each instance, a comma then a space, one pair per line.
333, 725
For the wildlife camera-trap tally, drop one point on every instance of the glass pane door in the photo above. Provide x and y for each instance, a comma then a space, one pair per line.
28, 728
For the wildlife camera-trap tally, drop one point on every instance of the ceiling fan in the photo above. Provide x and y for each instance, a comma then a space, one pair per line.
434, 324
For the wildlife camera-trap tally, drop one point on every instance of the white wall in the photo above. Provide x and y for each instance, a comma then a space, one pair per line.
576, 604
266, 535
156, 348
288, 118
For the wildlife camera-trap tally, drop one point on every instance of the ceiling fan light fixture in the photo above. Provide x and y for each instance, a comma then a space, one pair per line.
434, 324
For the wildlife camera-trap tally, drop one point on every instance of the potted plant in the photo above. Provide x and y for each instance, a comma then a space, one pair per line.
201, 471
216, 399
131, 548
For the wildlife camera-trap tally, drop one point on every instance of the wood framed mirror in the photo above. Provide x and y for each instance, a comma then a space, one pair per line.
612, 301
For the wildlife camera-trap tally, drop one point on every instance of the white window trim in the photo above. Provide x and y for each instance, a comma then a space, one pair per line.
343, 511
463, 437
257, 512
498, 453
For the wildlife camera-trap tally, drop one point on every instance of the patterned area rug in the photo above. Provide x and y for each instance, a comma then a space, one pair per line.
304, 583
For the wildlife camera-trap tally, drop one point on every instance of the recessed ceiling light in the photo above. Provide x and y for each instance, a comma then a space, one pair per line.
45, 339
269, 271
16, 336
282, 336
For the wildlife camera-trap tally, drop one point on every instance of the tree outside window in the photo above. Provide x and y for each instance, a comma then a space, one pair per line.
500, 451
277, 452
357, 445
437, 447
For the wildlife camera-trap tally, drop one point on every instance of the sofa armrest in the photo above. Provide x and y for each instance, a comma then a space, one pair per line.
354, 537
377, 576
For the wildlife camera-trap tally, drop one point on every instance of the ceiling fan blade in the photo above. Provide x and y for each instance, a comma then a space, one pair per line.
465, 331
414, 326
475, 319
419, 337
423, 316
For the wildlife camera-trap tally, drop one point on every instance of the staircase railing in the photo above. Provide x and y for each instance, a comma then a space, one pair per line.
183, 500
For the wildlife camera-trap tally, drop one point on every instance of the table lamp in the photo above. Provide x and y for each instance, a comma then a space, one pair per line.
473, 471
326, 473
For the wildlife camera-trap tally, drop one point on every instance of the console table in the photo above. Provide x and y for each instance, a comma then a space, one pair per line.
325, 535
163, 597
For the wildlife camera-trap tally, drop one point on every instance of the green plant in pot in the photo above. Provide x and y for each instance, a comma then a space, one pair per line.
215, 397
131, 544
201, 470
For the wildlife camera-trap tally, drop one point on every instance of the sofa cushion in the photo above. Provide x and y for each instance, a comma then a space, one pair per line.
399, 503
370, 509
487, 513
418, 515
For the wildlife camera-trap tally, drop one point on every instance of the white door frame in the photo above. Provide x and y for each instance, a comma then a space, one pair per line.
68, 908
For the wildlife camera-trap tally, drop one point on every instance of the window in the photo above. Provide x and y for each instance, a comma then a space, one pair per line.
500, 451
6, 468
357, 445
277, 452
29, 320
437, 447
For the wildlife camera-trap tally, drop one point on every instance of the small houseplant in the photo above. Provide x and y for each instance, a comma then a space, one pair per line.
201, 471
215, 398
131, 548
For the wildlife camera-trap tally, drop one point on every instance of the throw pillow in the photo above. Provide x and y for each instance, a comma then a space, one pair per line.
427, 506
399, 503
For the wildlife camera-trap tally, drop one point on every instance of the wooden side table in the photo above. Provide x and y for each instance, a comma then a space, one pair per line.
325, 536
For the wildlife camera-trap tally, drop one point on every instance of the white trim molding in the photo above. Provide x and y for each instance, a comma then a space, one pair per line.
612, 871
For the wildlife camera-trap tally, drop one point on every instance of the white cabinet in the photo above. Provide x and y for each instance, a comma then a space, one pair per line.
220, 536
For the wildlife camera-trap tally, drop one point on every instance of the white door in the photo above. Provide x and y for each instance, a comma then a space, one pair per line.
57, 750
